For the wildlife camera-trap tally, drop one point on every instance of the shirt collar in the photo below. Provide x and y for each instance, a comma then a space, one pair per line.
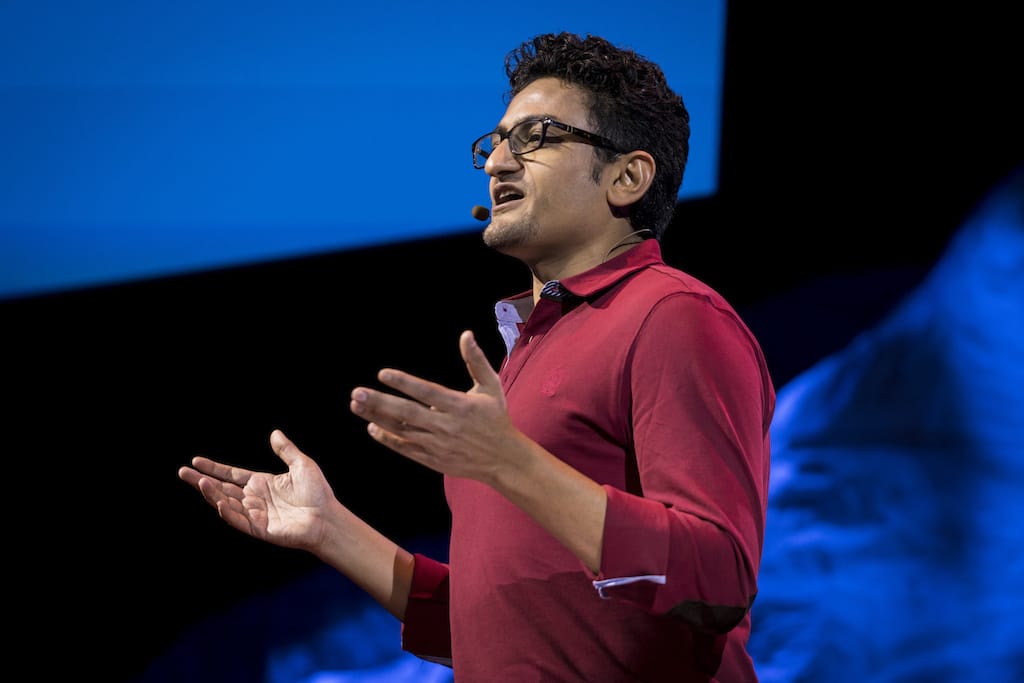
601, 277
588, 283
513, 311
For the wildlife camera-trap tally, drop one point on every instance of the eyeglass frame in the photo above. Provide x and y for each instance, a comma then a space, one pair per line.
546, 121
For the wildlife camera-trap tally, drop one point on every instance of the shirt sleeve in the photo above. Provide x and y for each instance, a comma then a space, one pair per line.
426, 631
689, 543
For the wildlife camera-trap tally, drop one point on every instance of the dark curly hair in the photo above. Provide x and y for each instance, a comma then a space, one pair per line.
630, 103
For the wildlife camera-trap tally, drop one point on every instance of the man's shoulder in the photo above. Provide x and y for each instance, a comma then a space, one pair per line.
664, 279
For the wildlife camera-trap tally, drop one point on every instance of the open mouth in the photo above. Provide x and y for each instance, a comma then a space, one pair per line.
506, 195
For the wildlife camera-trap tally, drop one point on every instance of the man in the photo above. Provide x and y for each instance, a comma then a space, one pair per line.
608, 485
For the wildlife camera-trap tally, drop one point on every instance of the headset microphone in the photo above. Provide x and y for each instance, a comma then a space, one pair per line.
481, 213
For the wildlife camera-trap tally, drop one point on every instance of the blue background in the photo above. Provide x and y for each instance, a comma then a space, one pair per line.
150, 138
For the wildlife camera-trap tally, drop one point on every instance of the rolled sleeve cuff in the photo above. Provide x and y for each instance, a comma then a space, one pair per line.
634, 558
426, 631
603, 584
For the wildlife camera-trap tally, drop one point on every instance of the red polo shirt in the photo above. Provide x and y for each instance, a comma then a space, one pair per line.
646, 380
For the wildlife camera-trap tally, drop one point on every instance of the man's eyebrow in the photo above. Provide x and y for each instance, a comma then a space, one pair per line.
501, 130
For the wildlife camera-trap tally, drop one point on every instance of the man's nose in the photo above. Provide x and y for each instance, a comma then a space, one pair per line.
501, 158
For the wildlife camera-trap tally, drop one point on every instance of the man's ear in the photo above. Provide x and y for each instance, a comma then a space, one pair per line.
633, 175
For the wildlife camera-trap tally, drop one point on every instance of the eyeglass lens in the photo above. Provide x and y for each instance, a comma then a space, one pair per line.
524, 137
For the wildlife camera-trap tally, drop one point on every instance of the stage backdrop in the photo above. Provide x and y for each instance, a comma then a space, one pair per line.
148, 138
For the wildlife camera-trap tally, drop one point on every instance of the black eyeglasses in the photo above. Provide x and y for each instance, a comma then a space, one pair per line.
529, 135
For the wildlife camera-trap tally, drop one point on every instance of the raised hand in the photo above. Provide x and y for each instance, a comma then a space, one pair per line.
461, 433
284, 509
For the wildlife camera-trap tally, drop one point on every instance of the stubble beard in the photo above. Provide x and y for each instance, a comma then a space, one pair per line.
510, 234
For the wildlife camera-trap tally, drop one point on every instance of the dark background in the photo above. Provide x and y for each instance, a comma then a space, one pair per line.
854, 143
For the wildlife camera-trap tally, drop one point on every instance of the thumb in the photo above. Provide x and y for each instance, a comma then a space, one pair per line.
477, 364
285, 449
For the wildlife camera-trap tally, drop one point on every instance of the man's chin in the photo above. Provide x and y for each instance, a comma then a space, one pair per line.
499, 235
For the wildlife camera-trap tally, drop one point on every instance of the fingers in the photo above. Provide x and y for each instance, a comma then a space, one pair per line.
204, 467
396, 438
384, 411
221, 485
215, 470
217, 492
423, 392
429, 395
189, 476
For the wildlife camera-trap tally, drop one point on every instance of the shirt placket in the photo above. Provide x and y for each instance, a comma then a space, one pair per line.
545, 314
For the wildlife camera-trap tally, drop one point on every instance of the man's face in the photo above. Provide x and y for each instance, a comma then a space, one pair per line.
545, 204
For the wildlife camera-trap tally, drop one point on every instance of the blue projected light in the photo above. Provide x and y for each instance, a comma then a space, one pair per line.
143, 139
